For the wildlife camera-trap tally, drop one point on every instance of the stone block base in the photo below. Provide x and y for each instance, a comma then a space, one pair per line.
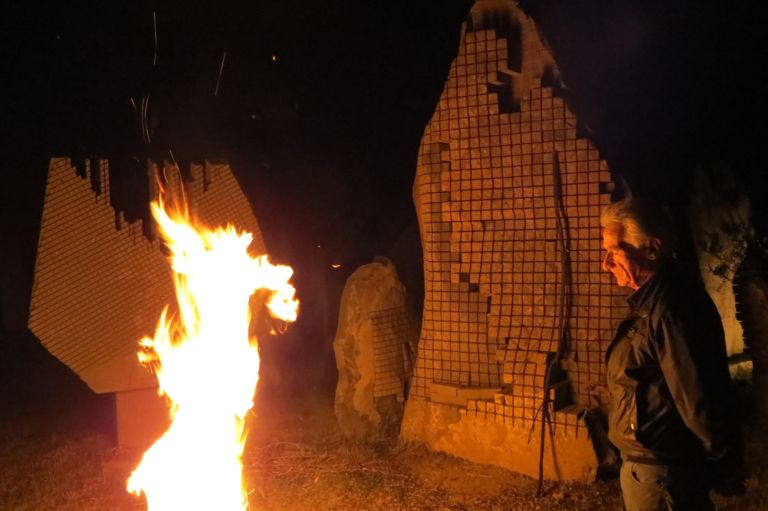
488, 440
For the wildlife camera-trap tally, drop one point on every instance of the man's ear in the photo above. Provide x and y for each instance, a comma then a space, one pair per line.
654, 249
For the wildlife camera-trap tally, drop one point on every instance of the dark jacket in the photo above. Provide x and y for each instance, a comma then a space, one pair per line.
668, 377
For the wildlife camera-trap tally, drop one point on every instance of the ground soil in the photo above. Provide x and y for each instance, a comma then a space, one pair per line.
296, 459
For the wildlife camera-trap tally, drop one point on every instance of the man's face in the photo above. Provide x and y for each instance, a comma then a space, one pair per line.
631, 266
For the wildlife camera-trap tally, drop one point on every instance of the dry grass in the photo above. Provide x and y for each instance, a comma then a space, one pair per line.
295, 459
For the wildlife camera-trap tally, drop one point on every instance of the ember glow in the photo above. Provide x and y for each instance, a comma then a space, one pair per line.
207, 364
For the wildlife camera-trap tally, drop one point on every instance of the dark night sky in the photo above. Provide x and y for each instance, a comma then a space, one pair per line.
324, 137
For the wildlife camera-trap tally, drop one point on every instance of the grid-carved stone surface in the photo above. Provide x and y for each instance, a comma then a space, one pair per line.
395, 335
100, 284
500, 149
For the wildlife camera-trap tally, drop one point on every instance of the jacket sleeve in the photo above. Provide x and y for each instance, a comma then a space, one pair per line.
691, 352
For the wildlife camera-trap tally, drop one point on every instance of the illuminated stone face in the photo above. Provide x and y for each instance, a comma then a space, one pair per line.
486, 196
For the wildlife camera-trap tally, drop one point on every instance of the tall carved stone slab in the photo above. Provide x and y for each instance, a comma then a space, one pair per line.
501, 152
101, 284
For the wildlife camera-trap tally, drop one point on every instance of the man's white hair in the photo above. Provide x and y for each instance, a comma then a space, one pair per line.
642, 220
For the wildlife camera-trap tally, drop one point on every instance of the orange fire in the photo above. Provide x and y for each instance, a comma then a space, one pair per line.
206, 364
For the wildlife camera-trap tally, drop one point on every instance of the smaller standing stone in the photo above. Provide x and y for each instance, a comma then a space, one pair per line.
372, 348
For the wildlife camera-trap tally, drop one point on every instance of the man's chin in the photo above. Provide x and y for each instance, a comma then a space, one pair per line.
621, 280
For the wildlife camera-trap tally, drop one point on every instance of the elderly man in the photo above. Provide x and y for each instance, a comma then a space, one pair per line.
667, 370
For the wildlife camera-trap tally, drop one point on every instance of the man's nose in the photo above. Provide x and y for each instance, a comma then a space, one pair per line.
607, 261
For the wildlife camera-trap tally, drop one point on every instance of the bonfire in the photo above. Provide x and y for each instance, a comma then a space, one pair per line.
206, 363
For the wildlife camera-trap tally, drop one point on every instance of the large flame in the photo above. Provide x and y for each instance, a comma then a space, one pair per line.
206, 364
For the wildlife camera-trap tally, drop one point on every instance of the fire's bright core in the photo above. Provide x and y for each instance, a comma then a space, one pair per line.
207, 364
